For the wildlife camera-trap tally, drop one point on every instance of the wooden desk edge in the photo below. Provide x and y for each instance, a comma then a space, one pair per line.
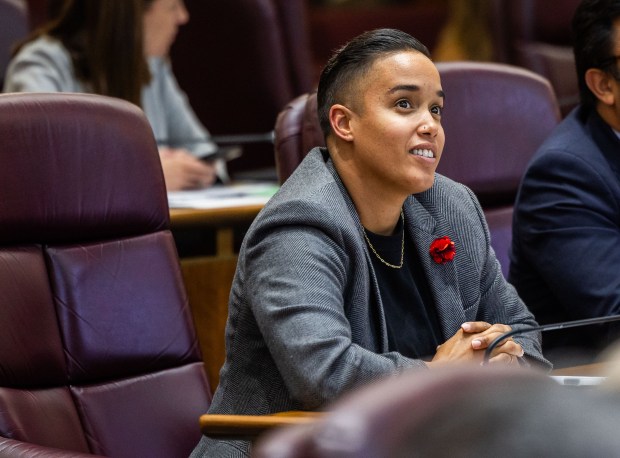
248, 427
181, 218
587, 370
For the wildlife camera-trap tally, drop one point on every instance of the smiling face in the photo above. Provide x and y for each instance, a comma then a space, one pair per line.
162, 19
394, 124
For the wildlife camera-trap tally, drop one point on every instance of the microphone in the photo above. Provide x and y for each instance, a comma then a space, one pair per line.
546, 327
263, 137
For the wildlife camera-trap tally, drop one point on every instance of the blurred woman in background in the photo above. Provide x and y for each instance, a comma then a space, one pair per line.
119, 48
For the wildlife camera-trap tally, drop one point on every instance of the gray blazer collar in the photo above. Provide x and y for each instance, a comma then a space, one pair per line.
442, 278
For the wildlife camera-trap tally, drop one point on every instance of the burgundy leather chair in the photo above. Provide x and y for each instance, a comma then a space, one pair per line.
496, 117
240, 62
13, 27
537, 35
296, 132
98, 354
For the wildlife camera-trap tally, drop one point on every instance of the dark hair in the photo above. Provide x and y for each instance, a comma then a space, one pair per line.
593, 38
352, 61
105, 41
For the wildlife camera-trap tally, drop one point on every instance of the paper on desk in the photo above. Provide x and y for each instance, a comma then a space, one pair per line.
222, 196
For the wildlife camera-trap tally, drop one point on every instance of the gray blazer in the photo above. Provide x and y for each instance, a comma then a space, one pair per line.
306, 321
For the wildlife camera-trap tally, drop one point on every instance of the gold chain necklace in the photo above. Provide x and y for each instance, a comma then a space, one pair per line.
402, 247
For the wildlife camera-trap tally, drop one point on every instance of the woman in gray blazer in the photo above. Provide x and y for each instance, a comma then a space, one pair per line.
119, 48
365, 263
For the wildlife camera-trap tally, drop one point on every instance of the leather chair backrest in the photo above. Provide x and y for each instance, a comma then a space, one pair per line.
514, 21
537, 35
495, 118
296, 132
293, 19
98, 352
499, 221
13, 27
240, 62
557, 64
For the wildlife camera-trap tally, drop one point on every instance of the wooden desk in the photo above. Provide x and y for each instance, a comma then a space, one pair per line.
587, 370
208, 278
214, 217
222, 220
249, 427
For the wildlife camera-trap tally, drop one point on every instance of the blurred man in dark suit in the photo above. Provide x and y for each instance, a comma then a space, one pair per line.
566, 234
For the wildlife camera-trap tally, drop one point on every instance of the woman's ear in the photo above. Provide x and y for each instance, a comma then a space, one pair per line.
601, 84
340, 120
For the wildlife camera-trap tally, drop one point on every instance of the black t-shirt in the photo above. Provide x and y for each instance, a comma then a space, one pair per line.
412, 324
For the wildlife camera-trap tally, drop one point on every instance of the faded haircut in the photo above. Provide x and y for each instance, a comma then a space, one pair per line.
352, 62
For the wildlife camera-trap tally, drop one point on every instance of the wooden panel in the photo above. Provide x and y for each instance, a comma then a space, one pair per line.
208, 281
208, 278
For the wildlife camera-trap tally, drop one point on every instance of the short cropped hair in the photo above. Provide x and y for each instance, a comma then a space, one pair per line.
592, 42
352, 61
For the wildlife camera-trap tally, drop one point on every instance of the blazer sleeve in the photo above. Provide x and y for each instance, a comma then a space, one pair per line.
41, 66
298, 296
499, 300
183, 127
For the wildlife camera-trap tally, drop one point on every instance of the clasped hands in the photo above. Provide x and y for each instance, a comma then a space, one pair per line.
470, 342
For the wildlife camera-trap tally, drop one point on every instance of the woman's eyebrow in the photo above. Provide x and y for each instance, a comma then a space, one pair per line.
412, 88
404, 87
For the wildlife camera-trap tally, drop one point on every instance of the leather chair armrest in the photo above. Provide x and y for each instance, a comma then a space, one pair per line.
11, 448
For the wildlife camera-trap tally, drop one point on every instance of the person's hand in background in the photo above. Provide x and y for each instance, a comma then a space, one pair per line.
182, 170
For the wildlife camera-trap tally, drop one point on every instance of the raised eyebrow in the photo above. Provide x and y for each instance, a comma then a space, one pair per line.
413, 88
404, 87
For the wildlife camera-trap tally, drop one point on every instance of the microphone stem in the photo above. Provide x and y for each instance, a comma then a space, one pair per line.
546, 327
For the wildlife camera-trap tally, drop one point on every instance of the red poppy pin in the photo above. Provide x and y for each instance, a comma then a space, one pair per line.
442, 250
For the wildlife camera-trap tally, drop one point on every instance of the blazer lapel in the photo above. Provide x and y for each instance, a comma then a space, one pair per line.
442, 278
376, 303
